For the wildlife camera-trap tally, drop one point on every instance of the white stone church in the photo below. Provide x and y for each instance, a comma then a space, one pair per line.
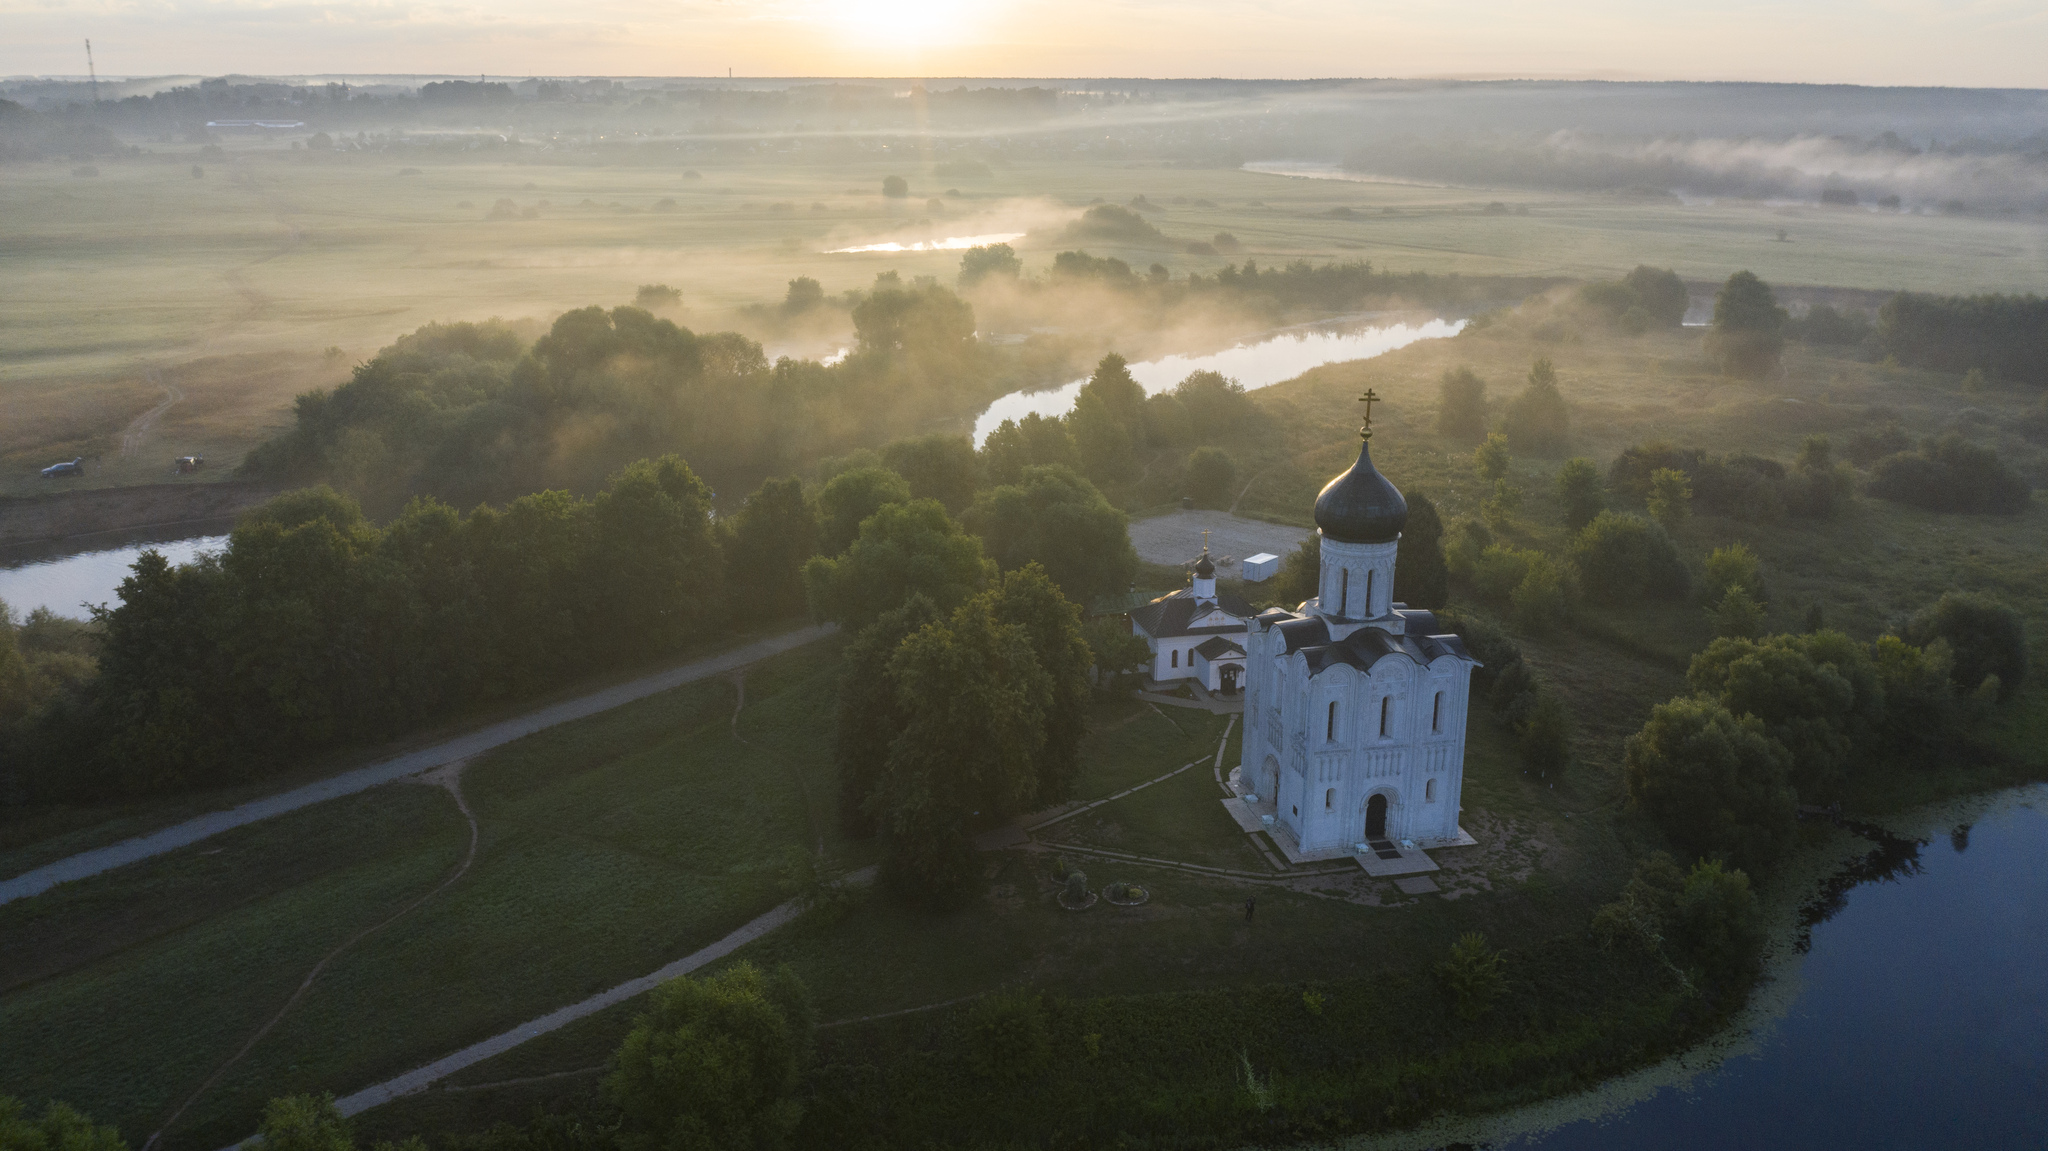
1354, 704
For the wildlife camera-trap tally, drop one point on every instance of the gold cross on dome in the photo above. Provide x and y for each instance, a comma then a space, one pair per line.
1368, 399
1205, 541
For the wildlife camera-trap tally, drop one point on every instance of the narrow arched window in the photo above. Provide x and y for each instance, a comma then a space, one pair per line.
1429, 792
1436, 713
1343, 589
1175, 657
1369, 609
1386, 713
1330, 729
1330, 799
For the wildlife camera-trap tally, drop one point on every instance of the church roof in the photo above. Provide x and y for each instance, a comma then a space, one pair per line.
1172, 615
1363, 648
1361, 506
1216, 647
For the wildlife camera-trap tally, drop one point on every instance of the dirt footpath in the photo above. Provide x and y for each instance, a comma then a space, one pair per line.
84, 511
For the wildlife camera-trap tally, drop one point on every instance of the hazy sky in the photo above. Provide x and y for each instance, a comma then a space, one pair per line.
1968, 43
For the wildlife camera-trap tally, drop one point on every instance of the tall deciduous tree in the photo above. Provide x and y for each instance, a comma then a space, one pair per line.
1748, 334
851, 497
715, 1063
1055, 518
1580, 491
766, 544
1716, 784
1016, 445
1461, 405
939, 466
1538, 420
903, 550
1421, 577
870, 716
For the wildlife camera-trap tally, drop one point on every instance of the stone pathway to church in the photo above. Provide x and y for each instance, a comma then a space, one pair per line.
89, 863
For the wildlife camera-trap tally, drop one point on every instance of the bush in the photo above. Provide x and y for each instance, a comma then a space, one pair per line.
1501, 508
1580, 491
1805, 691
1985, 638
2007, 335
1715, 784
1670, 499
1951, 474
1008, 1038
1211, 475
1732, 566
1075, 890
1738, 615
895, 187
652, 296
1539, 421
1491, 459
714, 1062
1621, 558
1461, 406
1748, 333
1545, 737
1716, 924
1421, 573
1472, 976
1541, 600
59, 1128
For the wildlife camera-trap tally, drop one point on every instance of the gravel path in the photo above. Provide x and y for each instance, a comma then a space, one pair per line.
1175, 538
413, 1082
89, 863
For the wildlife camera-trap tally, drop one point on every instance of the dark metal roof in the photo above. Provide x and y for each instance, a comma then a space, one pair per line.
1203, 568
1310, 635
1216, 648
1170, 615
1361, 506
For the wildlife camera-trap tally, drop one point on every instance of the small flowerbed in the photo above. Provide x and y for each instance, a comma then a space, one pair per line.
1126, 894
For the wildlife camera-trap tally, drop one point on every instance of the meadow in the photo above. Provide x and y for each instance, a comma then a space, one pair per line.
150, 314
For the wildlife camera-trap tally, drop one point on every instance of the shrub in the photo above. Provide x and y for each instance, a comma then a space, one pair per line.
1545, 737
1985, 637
1540, 599
657, 296
1539, 420
1715, 784
1738, 614
1472, 976
1491, 459
1808, 705
1950, 475
1461, 405
1620, 558
1716, 924
1733, 566
895, 187
1211, 475
1008, 1038
1500, 570
1580, 491
1870, 445
1670, 497
1501, 508
1075, 890
59, 1128
1748, 333
1421, 572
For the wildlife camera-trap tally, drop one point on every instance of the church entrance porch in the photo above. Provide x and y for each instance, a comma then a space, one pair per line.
1376, 818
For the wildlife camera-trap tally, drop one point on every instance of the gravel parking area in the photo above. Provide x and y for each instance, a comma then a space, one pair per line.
1176, 538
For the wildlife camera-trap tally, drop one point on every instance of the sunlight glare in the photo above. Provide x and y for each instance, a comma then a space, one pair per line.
900, 23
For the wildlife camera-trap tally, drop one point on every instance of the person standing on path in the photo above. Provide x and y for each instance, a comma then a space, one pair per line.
1251, 904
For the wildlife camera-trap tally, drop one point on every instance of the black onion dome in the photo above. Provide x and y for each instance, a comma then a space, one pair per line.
1203, 568
1361, 506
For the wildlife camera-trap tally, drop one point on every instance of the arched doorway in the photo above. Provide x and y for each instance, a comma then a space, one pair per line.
1376, 817
1229, 673
1268, 781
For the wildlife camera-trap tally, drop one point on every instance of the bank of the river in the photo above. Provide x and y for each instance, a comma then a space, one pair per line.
86, 519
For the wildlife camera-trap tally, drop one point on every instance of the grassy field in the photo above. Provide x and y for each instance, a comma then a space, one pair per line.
230, 294
609, 847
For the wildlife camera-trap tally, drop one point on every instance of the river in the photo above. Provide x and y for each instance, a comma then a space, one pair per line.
1916, 1018
66, 583
1256, 363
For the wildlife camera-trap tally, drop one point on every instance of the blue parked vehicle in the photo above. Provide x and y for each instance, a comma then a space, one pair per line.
76, 467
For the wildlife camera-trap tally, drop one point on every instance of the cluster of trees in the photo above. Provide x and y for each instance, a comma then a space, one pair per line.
2006, 336
1739, 484
1788, 719
316, 626
1950, 474
1116, 434
1646, 298
1702, 924
1616, 558
1537, 421
963, 700
470, 412
1748, 333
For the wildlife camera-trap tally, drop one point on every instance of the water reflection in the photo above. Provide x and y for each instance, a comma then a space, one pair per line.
65, 584
949, 244
1255, 364
1918, 1018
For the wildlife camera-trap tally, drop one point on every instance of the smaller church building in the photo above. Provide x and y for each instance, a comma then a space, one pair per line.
1196, 633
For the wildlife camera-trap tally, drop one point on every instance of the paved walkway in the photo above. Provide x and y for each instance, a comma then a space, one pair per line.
89, 863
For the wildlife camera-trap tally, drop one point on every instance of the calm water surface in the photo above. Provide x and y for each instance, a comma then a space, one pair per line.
1255, 364
1920, 1021
64, 584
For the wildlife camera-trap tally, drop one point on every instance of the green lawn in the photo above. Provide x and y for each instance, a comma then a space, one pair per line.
609, 847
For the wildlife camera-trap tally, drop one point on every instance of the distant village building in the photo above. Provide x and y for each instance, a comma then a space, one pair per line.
1196, 633
1354, 725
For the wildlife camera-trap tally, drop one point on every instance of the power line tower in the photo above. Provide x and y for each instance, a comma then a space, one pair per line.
92, 72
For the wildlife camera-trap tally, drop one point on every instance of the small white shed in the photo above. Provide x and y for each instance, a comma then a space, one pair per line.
1260, 567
